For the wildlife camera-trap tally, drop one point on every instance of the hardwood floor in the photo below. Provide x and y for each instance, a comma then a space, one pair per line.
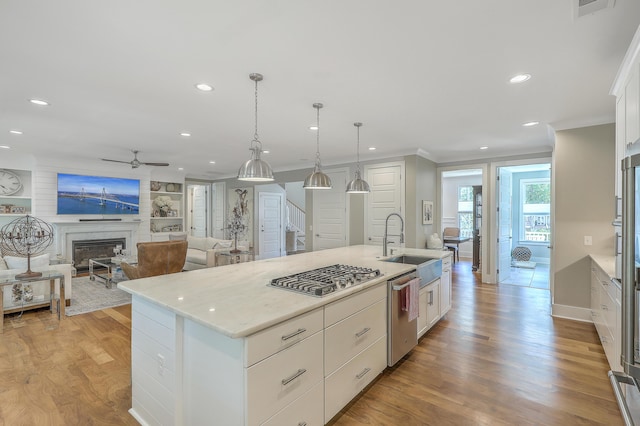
497, 358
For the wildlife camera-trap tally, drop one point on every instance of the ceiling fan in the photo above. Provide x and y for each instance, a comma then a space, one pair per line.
135, 163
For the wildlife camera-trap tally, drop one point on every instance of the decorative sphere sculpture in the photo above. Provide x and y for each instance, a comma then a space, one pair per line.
26, 236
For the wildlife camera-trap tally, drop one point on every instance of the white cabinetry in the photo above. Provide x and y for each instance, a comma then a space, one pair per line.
171, 218
355, 349
632, 105
435, 299
445, 286
626, 88
605, 313
300, 371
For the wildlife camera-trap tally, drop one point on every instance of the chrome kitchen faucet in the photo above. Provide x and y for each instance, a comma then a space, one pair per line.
386, 235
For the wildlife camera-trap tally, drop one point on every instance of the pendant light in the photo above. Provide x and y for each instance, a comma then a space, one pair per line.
255, 169
358, 185
317, 179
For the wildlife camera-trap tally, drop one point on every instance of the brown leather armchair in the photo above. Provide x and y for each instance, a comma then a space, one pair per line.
157, 258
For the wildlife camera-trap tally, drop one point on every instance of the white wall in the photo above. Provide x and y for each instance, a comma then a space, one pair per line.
583, 181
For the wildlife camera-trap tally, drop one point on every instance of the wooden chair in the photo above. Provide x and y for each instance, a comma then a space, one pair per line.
454, 247
157, 258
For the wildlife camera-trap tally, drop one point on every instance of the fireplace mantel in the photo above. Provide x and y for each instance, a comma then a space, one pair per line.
67, 232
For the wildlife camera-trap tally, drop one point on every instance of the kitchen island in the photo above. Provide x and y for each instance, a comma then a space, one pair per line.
219, 346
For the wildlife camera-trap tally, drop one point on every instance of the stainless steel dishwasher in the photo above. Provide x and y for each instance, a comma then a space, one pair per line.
402, 334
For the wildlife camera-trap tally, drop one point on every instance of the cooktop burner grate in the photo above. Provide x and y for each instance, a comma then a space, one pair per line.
325, 280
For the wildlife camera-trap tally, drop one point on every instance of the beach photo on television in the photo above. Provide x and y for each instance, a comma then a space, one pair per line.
79, 194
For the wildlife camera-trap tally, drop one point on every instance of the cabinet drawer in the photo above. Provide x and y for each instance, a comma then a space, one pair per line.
446, 263
347, 338
277, 381
345, 383
342, 308
267, 342
307, 410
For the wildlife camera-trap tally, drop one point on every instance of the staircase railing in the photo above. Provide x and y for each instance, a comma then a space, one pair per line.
297, 218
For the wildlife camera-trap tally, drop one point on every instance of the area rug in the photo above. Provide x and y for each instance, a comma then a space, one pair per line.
524, 264
89, 296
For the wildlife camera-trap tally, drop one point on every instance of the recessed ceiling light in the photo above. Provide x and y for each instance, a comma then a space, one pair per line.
520, 78
5, 147
212, 309
180, 168
185, 134
39, 102
484, 147
15, 132
313, 127
266, 151
181, 298
531, 123
212, 162
204, 87
372, 148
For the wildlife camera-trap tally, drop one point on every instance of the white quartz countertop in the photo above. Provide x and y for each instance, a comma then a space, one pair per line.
235, 299
606, 263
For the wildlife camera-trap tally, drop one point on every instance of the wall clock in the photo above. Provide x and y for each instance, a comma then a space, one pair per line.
9, 182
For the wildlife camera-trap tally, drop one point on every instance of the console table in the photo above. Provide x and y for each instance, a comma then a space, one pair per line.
50, 276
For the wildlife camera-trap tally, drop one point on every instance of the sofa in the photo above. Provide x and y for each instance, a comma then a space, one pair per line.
13, 265
201, 251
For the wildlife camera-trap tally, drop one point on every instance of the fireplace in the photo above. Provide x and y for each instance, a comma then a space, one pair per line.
83, 250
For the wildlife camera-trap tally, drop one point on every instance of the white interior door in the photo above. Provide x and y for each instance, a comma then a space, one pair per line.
386, 197
330, 213
270, 230
504, 224
198, 210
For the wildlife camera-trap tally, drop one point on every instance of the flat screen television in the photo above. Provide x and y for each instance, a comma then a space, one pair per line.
97, 195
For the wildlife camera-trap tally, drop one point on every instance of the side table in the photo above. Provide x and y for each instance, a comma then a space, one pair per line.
229, 258
50, 276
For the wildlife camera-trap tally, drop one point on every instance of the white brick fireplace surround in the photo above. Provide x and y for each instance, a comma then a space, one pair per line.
65, 233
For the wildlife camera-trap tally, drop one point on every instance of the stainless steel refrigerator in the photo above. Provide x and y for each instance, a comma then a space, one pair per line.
626, 384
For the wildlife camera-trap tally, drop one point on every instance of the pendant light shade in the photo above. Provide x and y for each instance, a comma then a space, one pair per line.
255, 169
317, 179
358, 185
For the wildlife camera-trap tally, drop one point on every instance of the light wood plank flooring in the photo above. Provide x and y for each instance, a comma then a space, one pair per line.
498, 358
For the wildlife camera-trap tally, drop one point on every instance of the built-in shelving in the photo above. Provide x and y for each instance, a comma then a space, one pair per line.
164, 221
19, 203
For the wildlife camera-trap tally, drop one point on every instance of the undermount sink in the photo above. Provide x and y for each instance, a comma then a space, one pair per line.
427, 268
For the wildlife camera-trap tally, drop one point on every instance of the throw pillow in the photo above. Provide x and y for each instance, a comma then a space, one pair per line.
15, 262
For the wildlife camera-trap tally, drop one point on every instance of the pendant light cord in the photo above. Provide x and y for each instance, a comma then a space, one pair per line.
318, 136
255, 134
358, 151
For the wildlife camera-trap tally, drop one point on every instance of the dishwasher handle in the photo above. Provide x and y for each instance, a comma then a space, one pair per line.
401, 282
401, 286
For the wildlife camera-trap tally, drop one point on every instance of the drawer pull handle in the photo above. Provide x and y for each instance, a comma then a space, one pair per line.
604, 307
302, 424
297, 374
294, 334
362, 373
431, 298
363, 332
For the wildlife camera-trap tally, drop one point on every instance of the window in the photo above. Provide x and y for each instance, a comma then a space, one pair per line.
535, 203
465, 210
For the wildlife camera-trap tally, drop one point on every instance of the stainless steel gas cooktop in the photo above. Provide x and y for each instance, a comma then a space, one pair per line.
325, 280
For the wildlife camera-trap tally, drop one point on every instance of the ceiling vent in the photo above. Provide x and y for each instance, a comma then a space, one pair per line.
587, 7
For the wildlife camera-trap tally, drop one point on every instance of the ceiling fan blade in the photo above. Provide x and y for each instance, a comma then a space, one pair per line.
116, 161
155, 164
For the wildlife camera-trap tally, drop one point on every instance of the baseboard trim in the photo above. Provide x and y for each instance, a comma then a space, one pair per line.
571, 312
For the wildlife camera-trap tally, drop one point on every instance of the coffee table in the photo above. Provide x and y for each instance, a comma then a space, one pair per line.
108, 269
